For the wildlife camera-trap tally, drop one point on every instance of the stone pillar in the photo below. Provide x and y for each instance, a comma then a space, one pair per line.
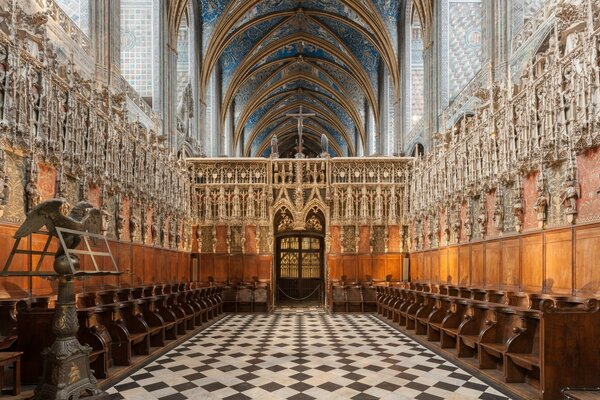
217, 106
105, 34
195, 49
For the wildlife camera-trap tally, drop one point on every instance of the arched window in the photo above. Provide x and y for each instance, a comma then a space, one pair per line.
417, 100
78, 11
184, 89
137, 45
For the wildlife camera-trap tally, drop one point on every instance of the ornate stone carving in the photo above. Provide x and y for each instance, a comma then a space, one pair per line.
517, 206
499, 210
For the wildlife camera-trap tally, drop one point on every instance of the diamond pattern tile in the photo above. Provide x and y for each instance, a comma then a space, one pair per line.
301, 354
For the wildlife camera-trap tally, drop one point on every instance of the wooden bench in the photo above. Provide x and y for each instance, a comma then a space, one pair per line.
369, 298
245, 300
339, 299
354, 298
13, 358
261, 298
545, 341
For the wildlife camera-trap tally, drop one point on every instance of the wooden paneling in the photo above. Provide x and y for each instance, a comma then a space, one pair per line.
464, 269
236, 267
365, 267
334, 267
349, 267
207, 267
477, 267
561, 261
452, 277
265, 263
558, 259
414, 266
250, 267
444, 265
393, 266
532, 263
492, 264
221, 267
427, 275
587, 265
511, 263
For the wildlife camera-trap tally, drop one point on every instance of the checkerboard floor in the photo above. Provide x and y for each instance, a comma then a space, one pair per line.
301, 354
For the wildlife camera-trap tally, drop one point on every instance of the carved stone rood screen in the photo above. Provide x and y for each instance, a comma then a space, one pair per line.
66, 363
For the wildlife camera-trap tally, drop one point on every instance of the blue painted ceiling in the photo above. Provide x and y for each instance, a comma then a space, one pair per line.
283, 54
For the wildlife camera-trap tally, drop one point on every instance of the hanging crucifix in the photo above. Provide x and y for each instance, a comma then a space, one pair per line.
300, 117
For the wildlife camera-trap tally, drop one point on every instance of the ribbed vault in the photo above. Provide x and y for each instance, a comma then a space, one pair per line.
275, 56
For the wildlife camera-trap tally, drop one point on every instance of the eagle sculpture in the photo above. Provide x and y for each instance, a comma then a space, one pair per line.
83, 217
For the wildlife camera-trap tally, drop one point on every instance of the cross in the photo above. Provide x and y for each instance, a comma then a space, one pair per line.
300, 117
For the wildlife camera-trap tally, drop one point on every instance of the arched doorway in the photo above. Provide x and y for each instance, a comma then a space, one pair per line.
299, 260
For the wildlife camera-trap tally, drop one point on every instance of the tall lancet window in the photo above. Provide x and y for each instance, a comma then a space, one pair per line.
78, 11
184, 88
416, 72
137, 49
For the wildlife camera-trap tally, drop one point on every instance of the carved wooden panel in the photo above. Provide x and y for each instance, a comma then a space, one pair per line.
587, 254
492, 264
510, 267
394, 265
559, 262
464, 265
444, 265
453, 266
477, 274
532, 267
349, 267
366, 268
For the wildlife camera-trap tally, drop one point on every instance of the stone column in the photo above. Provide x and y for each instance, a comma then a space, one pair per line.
195, 49
105, 34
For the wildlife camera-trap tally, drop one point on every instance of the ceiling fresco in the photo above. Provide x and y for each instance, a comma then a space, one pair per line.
278, 55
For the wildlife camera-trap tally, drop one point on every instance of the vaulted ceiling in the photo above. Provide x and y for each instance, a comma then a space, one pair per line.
278, 55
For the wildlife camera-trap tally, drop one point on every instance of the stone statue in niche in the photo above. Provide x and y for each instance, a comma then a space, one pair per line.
32, 192
185, 110
456, 225
482, 217
568, 198
336, 204
541, 202
133, 226
498, 211
274, 146
4, 194
468, 223
518, 208
364, 204
250, 204
349, 203
154, 230
324, 145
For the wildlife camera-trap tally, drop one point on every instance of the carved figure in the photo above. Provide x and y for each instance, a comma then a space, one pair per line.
83, 217
468, 223
274, 146
498, 211
518, 208
324, 144
570, 194
32, 192
133, 227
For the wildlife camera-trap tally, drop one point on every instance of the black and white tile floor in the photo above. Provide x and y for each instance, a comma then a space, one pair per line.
301, 354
